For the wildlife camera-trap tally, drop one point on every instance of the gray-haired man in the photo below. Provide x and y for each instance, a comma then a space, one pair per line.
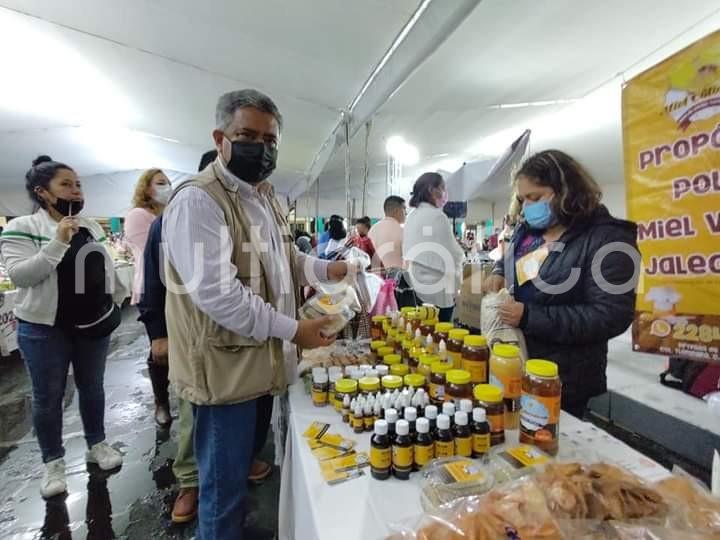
231, 307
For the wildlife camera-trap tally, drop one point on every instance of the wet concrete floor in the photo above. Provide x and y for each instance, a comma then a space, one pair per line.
133, 503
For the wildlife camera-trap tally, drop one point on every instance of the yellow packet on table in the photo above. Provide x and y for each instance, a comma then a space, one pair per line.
323, 453
463, 471
351, 461
525, 456
316, 430
337, 441
344, 468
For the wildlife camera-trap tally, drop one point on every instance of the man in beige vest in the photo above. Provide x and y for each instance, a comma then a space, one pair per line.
233, 276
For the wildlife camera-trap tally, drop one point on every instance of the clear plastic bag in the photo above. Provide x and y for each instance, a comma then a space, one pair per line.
517, 510
338, 300
693, 506
492, 326
448, 479
572, 501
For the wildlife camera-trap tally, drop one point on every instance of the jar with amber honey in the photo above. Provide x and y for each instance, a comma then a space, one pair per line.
392, 382
375, 347
405, 353
454, 346
427, 327
475, 358
490, 398
540, 402
442, 331
415, 381
391, 337
425, 364
345, 387
399, 369
376, 327
436, 388
391, 359
506, 372
383, 352
458, 386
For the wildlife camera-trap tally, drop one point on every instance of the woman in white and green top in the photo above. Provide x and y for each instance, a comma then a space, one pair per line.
63, 272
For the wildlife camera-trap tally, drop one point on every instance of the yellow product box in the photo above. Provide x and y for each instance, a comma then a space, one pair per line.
524, 456
344, 468
324, 453
336, 441
316, 430
462, 471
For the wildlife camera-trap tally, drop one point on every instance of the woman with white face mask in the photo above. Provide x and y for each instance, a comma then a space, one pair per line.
152, 193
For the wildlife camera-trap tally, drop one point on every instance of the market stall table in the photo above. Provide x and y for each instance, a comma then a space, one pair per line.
126, 273
8, 323
364, 508
638, 403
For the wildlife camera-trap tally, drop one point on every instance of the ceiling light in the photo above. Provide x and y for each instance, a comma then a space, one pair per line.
404, 152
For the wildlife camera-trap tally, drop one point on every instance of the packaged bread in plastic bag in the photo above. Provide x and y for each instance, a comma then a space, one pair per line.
516, 510
496, 331
338, 300
693, 506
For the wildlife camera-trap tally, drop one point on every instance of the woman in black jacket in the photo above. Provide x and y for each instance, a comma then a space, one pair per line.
572, 269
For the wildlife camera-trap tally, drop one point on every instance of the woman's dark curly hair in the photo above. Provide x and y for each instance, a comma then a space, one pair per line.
577, 194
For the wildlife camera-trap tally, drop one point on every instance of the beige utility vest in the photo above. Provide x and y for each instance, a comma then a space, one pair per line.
210, 365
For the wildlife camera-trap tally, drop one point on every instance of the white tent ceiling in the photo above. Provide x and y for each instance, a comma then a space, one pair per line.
112, 87
519, 52
158, 67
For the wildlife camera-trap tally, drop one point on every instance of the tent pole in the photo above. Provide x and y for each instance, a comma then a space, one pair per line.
366, 172
347, 168
317, 206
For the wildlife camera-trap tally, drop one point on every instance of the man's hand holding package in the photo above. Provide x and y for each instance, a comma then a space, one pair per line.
309, 333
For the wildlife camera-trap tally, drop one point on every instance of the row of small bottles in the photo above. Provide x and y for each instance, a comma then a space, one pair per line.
362, 411
401, 446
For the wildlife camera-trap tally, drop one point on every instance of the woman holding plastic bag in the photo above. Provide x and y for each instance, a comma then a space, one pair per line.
572, 269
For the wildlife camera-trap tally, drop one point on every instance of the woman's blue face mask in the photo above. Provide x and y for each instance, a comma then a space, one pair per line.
539, 215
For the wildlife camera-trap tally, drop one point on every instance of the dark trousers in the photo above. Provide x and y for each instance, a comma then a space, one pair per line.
263, 416
446, 314
159, 380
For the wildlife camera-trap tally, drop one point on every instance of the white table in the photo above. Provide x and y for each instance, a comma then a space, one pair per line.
362, 508
8, 323
126, 274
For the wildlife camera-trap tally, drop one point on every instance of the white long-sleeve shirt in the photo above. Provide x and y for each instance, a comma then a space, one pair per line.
193, 218
434, 256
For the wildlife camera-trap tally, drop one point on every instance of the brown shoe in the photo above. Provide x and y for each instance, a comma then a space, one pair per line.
186, 505
162, 415
259, 471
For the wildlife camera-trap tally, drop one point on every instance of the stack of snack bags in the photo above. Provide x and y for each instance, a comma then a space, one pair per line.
576, 501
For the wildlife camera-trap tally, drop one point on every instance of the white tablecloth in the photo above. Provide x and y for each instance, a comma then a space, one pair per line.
8, 323
363, 508
126, 274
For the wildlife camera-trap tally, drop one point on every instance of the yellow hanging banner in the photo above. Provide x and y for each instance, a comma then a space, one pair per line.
671, 137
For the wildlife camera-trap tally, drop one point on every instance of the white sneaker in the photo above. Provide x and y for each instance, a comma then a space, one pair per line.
53, 482
106, 457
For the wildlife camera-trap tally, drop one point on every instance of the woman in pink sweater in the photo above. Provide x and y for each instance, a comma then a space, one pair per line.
152, 193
